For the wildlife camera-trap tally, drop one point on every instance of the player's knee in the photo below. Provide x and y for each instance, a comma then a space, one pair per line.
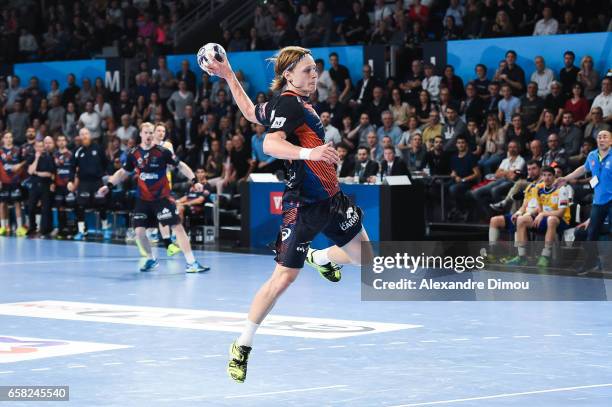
140, 232
283, 278
553, 221
496, 222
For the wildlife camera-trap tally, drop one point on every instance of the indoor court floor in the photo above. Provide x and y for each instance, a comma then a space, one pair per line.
80, 314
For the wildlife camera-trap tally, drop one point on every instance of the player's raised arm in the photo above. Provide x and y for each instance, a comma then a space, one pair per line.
224, 70
275, 145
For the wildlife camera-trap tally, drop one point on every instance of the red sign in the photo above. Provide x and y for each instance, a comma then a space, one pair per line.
276, 203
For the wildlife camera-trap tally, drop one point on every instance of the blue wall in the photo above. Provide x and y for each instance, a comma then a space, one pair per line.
259, 72
464, 55
46, 71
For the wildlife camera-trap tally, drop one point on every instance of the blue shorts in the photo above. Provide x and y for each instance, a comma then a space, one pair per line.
542, 227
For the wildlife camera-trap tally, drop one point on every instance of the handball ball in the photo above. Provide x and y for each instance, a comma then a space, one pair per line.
208, 52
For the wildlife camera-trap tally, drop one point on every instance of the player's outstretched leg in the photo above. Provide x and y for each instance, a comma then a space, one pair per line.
329, 261
264, 300
193, 266
143, 243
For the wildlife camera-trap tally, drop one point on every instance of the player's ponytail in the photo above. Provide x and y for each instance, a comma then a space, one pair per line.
285, 60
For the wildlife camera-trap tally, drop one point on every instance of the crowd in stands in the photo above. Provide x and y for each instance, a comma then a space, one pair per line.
144, 29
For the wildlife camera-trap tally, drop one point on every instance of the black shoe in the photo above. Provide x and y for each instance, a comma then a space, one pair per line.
585, 269
498, 207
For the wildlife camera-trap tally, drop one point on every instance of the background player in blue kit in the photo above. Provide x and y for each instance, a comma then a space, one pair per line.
312, 201
154, 204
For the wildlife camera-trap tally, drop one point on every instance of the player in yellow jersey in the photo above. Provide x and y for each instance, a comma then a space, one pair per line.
553, 217
530, 206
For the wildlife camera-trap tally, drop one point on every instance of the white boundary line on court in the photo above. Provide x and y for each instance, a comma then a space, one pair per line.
503, 395
337, 386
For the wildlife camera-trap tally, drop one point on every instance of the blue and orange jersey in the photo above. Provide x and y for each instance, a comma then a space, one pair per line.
9, 157
64, 164
306, 181
151, 166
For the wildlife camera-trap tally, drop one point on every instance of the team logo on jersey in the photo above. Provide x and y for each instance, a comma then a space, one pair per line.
302, 247
278, 122
285, 233
148, 176
94, 153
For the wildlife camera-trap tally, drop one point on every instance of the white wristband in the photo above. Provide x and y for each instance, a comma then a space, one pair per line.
305, 153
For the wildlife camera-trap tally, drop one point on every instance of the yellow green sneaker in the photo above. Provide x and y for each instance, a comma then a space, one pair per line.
543, 261
3, 231
172, 250
21, 231
237, 366
330, 271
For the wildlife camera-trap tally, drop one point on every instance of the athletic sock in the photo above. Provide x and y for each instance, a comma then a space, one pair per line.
4, 223
189, 257
19, 222
167, 242
493, 235
522, 251
547, 251
105, 224
248, 332
38, 218
81, 226
320, 257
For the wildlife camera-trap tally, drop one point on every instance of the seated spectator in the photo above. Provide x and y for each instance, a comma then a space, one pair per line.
502, 27
456, 11
362, 94
28, 46
415, 156
376, 151
569, 73
473, 107
260, 161
542, 76
91, 120
323, 24
359, 134
548, 25
126, 131
508, 172
465, 174
413, 128
492, 146
389, 128
513, 75
348, 134
85, 94
445, 100
596, 124
493, 99
337, 110
569, 24
355, 28
604, 99
588, 77
453, 83
556, 155
179, 100
570, 135
418, 12
424, 107
411, 86
392, 165
104, 110
516, 131
331, 133
214, 164
555, 101
55, 117
365, 168
547, 127
577, 160
325, 84
432, 129
437, 160
305, 25
346, 166
451, 30
531, 107
482, 82
536, 151
508, 106
431, 82
382, 33
453, 128
399, 109
577, 106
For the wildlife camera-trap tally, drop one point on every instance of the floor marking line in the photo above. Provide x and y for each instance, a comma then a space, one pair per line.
521, 336
112, 363
275, 351
336, 346
304, 348
552, 335
76, 367
583, 334
504, 395
491, 337
7, 372
337, 386
40, 369
180, 358
213, 356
